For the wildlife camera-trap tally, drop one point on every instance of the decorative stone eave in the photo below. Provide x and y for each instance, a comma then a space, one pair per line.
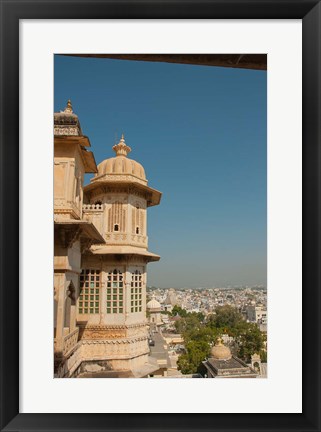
123, 251
88, 159
111, 177
81, 140
68, 231
151, 195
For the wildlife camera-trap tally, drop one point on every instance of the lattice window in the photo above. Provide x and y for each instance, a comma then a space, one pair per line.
136, 295
115, 292
117, 217
88, 302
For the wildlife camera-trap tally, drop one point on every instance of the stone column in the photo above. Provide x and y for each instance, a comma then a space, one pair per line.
127, 292
61, 289
144, 285
103, 296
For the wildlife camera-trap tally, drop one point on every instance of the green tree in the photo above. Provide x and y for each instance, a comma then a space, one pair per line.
226, 317
263, 355
188, 323
177, 310
249, 340
191, 361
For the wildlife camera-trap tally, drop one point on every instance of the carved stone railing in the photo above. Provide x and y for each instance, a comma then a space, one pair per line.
70, 340
92, 207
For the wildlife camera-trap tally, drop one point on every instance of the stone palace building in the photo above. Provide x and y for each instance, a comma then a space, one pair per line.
100, 257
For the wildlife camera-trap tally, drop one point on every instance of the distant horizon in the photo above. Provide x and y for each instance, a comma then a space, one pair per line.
200, 132
209, 288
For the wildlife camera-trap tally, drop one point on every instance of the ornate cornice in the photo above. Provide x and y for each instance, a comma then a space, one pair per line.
112, 326
127, 341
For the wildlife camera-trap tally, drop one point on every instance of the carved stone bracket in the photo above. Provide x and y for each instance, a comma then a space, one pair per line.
85, 244
68, 235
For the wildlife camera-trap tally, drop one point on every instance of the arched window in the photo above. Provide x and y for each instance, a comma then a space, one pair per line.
115, 292
137, 220
136, 295
117, 217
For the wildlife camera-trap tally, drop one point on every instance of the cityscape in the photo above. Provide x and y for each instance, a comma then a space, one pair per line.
249, 303
113, 318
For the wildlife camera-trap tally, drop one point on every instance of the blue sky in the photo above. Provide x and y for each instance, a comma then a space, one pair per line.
200, 133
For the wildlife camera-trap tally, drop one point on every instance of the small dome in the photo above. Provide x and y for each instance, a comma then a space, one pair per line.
121, 164
220, 351
153, 304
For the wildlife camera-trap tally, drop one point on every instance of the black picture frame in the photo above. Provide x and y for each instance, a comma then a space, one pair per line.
11, 12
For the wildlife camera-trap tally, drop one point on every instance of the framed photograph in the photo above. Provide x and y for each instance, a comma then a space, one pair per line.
220, 107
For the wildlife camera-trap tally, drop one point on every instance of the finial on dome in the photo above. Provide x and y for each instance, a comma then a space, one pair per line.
219, 341
122, 149
68, 108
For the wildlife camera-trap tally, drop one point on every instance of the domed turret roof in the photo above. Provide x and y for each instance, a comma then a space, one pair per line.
121, 164
220, 351
153, 304
66, 122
